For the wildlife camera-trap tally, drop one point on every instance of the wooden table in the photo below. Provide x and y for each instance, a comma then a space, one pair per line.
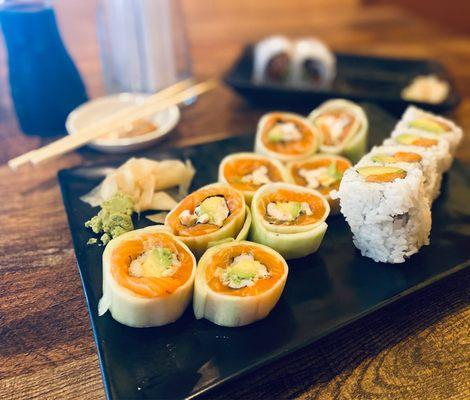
415, 349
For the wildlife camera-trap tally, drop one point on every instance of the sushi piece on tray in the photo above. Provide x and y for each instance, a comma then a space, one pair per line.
272, 59
387, 210
286, 137
212, 213
238, 283
289, 218
148, 277
418, 121
343, 126
322, 172
247, 172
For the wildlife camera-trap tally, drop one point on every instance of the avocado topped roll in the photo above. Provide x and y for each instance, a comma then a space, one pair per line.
386, 209
272, 59
247, 172
418, 121
238, 283
148, 277
286, 137
399, 155
289, 218
322, 172
343, 126
212, 213
439, 147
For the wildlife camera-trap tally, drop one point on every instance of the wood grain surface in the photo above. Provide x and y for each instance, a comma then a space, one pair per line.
418, 348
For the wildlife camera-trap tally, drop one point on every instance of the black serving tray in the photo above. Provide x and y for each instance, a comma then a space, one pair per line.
358, 78
324, 291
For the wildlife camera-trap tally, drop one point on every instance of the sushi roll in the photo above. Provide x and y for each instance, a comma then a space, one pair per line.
439, 147
247, 172
312, 63
148, 277
238, 283
286, 137
418, 121
408, 155
289, 218
322, 172
272, 59
343, 126
386, 209
208, 215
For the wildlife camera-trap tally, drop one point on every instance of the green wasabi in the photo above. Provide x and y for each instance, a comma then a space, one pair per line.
113, 219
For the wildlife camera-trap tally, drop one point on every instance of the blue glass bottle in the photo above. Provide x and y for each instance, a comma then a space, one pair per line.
45, 85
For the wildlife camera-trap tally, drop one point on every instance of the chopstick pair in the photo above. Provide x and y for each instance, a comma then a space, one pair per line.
175, 94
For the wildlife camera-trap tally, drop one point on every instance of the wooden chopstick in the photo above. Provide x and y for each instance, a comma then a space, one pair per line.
74, 141
98, 126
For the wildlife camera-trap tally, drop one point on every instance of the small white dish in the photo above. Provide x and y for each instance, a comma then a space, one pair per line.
95, 109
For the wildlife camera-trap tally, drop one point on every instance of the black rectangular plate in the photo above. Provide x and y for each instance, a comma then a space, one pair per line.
358, 78
324, 291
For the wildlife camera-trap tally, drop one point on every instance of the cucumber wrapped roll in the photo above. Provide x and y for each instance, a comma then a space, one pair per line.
247, 172
343, 126
238, 283
286, 137
322, 172
289, 218
212, 213
148, 277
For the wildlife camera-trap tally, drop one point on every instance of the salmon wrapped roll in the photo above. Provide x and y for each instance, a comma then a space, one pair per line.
148, 277
322, 172
343, 126
247, 172
289, 218
238, 283
208, 215
286, 137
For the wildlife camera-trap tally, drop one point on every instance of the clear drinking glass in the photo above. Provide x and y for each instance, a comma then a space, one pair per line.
143, 44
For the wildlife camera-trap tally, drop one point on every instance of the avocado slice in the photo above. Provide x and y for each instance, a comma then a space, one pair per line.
158, 260
334, 173
292, 208
406, 138
429, 125
383, 158
216, 209
276, 134
379, 170
244, 269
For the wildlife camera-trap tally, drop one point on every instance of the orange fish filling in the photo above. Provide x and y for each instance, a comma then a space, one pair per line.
424, 142
389, 177
294, 147
403, 156
234, 201
129, 250
283, 196
235, 170
325, 129
224, 258
341, 166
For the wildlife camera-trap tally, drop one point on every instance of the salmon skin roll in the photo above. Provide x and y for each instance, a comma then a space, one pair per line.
286, 137
238, 283
212, 213
148, 277
344, 127
415, 120
289, 218
322, 172
247, 172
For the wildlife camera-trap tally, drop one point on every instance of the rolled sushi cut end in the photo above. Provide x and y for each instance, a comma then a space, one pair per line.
212, 213
286, 137
238, 283
247, 172
418, 121
387, 210
289, 219
321, 172
272, 59
312, 63
344, 127
148, 277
